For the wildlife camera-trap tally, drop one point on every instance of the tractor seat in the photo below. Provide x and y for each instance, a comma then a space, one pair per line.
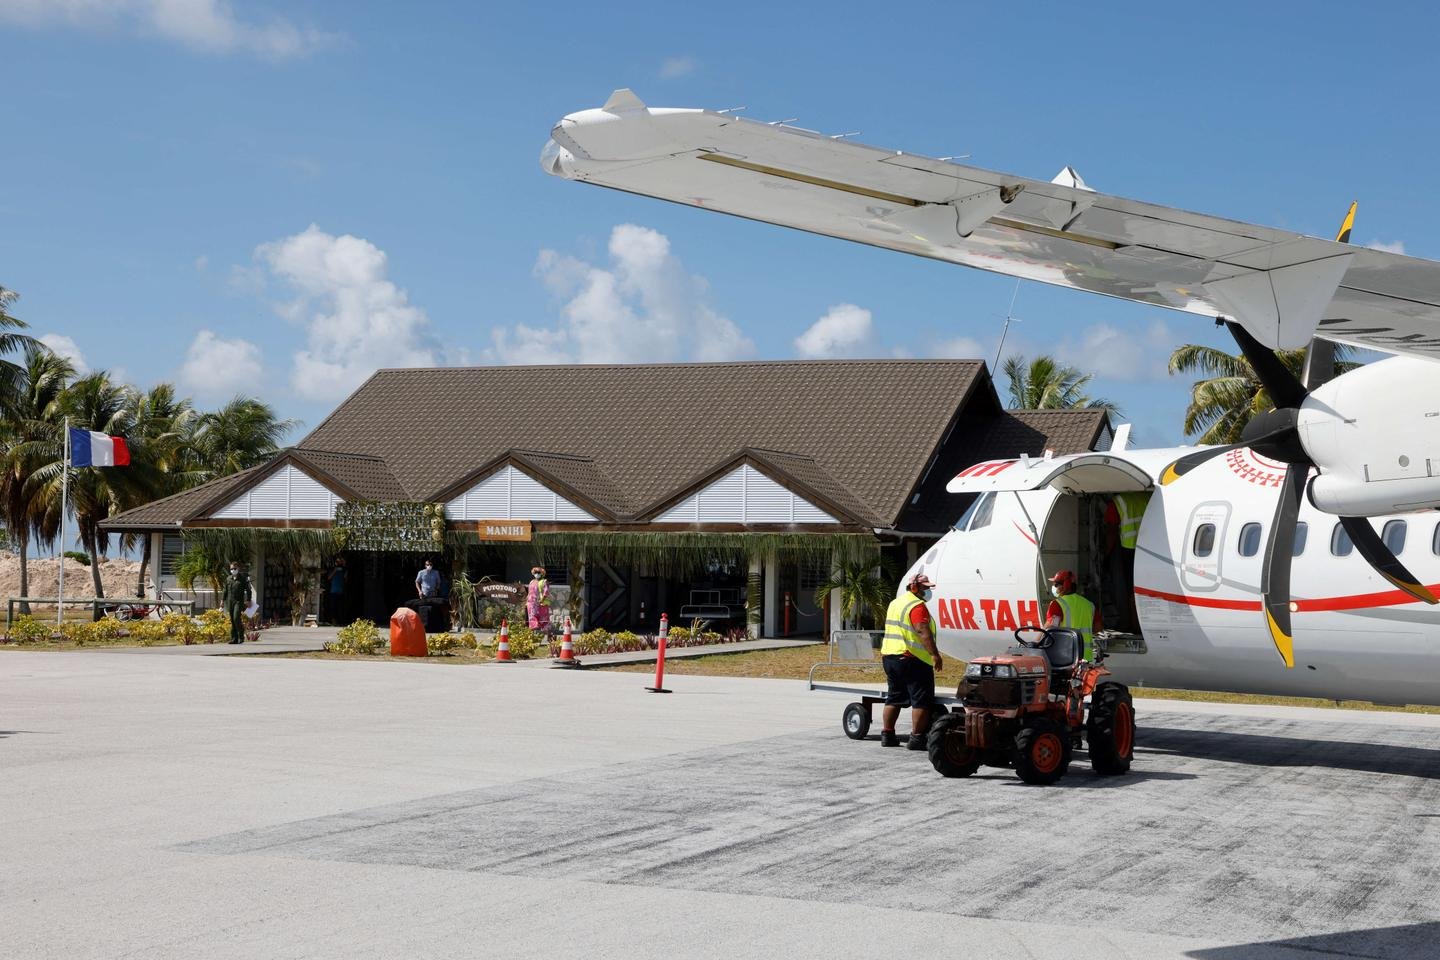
1063, 652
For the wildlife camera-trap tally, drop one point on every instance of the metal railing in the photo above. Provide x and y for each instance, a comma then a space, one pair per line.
95, 604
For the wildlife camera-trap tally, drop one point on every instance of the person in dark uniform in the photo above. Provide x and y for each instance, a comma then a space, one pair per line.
236, 597
335, 593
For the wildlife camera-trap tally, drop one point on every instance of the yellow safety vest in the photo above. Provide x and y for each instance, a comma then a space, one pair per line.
1079, 615
900, 634
1131, 507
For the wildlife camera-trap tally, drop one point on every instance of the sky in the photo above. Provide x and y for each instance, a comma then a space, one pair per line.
275, 198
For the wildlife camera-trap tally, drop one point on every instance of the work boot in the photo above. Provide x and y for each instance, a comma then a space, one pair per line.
916, 741
888, 739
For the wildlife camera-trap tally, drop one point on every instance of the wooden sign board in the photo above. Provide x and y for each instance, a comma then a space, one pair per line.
504, 592
512, 530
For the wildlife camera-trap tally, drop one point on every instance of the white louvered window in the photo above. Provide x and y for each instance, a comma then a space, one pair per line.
509, 494
287, 494
745, 495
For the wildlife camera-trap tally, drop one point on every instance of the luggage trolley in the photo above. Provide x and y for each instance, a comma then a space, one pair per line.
858, 649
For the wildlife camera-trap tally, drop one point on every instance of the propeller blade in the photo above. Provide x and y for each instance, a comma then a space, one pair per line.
1279, 551
1190, 461
1373, 549
1284, 389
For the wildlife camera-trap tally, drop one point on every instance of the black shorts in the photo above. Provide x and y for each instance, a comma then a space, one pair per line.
912, 681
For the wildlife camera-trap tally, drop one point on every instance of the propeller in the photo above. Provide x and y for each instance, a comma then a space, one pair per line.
1274, 435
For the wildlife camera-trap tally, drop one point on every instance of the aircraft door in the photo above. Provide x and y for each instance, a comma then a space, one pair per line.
1203, 546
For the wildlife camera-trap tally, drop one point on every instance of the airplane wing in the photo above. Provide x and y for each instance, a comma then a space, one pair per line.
1073, 473
1283, 287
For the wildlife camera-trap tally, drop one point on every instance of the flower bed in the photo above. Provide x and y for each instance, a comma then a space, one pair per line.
595, 642
212, 626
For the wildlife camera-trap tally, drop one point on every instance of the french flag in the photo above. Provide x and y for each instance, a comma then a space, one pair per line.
90, 449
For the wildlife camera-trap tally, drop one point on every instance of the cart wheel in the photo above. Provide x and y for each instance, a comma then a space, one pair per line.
856, 721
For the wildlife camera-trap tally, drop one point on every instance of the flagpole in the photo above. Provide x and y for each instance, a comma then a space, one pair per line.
64, 505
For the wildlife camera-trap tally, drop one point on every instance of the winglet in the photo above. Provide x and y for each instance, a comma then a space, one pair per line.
1347, 224
623, 100
1282, 640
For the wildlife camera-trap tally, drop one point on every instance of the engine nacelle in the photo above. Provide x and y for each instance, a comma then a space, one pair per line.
1375, 435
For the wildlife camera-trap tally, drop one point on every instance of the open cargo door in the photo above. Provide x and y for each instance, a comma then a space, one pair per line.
1073, 473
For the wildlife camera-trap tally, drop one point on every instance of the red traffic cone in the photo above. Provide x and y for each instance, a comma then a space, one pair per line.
567, 650
502, 652
660, 659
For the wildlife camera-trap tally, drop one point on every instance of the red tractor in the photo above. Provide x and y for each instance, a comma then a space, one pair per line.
1027, 709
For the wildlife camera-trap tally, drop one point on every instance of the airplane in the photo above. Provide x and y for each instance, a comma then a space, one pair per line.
1245, 551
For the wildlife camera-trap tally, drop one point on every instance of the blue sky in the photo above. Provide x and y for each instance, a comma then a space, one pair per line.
276, 198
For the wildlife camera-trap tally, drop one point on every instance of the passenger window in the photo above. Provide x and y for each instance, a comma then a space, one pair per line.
1340, 545
1435, 541
985, 502
1204, 544
1302, 529
1394, 536
1249, 543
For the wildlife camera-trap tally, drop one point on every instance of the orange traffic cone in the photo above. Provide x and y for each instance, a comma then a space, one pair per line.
567, 650
502, 652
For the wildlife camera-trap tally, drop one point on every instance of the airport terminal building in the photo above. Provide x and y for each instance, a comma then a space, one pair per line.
727, 491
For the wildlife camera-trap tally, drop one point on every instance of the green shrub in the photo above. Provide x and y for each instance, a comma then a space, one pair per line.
214, 627
81, 558
181, 628
361, 637
147, 633
524, 642
593, 642
467, 640
445, 642
26, 629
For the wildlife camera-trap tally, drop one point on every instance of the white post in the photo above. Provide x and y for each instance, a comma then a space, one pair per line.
772, 595
64, 505
756, 572
837, 622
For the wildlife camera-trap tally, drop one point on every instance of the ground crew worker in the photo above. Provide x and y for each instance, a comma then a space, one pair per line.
1071, 610
910, 659
236, 597
1122, 533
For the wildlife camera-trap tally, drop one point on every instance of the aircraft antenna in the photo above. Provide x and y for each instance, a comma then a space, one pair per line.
1009, 316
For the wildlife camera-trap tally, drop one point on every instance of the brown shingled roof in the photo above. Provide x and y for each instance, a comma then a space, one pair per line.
647, 429
367, 478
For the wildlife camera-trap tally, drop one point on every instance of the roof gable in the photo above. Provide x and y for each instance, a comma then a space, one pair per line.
288, 493
508, 493
743, 495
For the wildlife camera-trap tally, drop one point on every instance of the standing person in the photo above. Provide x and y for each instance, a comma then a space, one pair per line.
537, 600
335, 593
1070, 609
236, 597
1122, 532
427, 581
910, 659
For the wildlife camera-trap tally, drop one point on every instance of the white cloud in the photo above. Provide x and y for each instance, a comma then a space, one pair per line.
644, 307
67, 348
205, 26
202, 263
1397, 246
845, 331
959, 348
357, 319
1124, 354
678, 67
216, 368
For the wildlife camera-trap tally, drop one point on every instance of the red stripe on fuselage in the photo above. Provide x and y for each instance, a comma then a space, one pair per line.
1359, 601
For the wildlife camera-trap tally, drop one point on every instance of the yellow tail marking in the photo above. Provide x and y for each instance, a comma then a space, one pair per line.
1282, 641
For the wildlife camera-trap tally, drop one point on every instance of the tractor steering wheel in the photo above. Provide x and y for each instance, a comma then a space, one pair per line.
1043, 643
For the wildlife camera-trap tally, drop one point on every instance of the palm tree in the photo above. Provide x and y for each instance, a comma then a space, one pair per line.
160, 421
1229, 393
29, 408
242, 434
1046, 384
859, 587
10, 341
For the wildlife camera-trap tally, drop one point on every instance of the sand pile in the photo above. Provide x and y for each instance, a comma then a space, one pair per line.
118, 576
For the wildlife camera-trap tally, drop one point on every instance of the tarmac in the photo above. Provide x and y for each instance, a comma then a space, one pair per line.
181, 807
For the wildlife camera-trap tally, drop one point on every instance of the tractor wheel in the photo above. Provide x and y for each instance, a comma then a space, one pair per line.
1110, 731
950, 755
855, 721
1042, 752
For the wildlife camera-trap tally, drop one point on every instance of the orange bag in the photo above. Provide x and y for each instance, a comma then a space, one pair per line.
407, 634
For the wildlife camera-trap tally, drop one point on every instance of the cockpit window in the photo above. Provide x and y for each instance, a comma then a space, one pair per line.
977, 515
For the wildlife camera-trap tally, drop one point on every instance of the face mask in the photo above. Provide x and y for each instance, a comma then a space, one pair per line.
927, 595
1055, 592
234, 570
